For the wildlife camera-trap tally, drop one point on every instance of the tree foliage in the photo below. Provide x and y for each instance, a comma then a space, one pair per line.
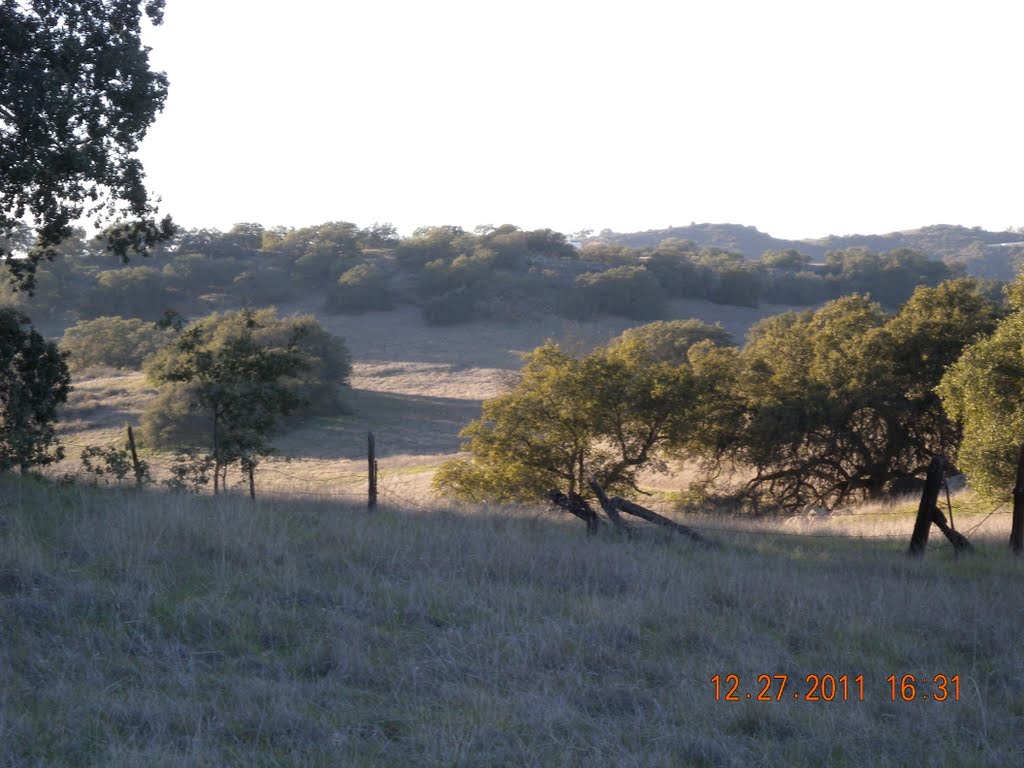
116, 342
835, 404
360, 289
76, 98
263, 367
609, 414
984, 391
631, 292
141, 292
669, 341
237, 383
34, 381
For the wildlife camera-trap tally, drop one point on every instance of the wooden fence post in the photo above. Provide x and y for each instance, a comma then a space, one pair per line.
926, 512
135, 457
1017, 529
372, 472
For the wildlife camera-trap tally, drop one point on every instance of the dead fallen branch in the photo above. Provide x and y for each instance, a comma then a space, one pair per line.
578, 506
614, 507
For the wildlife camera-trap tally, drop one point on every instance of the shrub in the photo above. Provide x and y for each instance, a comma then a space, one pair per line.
173, 417
626, 291
116, 342
129, 292
360, 289
454, 307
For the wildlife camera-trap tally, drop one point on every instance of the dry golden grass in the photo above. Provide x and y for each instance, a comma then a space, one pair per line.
414, 386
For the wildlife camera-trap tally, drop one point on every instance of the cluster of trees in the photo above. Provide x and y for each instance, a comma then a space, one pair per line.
228, 381
455, 276
819, 407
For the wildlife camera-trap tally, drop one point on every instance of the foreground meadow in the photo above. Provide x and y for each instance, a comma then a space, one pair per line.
166, 630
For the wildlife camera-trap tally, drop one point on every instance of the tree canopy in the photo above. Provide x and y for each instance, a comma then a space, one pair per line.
34, 380
984, 391
238, 383
235, 345
609, 415
76, 98
837, 403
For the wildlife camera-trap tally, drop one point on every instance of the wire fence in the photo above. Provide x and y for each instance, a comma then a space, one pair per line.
349, 487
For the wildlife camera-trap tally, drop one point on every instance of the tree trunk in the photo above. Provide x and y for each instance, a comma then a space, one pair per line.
607, 506
927, 508
1017, 526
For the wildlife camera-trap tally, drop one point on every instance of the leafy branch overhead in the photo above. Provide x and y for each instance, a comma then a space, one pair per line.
77, 96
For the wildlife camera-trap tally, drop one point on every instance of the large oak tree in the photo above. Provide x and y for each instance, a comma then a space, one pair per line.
77, 96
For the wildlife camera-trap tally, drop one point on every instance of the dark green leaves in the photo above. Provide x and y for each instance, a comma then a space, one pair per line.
76, 98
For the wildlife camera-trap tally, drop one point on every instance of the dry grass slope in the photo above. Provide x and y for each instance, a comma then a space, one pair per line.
170, 630
415, 386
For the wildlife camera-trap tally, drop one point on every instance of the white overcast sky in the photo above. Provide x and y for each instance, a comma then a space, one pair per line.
800, 118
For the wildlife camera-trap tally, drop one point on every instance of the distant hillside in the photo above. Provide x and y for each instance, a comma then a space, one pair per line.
937, 241
734, 237
986, 253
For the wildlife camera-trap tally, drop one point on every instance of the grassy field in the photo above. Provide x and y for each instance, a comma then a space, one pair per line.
414, 386
174, 630
167, 630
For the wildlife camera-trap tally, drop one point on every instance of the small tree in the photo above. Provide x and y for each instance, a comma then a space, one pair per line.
34, 380
607, 415
238, 383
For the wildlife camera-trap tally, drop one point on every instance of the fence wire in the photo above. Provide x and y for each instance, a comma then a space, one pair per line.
333, 487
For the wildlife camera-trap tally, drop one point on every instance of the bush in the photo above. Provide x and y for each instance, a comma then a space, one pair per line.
625, 291
129, 292
669, 341
454, 307
360, 289
116, 342
173, 418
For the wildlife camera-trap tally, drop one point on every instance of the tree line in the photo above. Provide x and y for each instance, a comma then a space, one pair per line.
453, 276
821, 407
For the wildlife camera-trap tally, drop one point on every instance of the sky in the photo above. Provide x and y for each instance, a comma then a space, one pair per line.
803, 119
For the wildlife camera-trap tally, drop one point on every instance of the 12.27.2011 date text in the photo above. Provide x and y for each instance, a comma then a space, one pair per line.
837, 688
774, 688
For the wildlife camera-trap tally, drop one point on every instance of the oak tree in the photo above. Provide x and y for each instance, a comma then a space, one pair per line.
77, 96
34, 381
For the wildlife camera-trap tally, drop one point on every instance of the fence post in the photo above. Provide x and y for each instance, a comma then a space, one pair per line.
372, 471
926, 512
135, 457
1017, 529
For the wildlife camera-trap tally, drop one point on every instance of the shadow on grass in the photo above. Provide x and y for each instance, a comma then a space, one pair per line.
402, 424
